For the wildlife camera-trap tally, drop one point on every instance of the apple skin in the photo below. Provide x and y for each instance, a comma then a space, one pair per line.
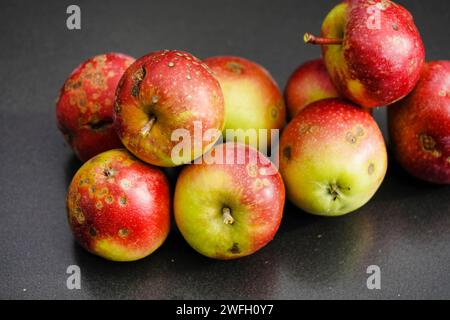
309, 83
419, 126
118, 207
373, 67
255, 200
333, 158
252, 97
84, 109
161, 92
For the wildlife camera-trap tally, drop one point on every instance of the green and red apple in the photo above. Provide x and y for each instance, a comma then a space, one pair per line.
119, 207
231, 205
166, 92
419, 126
84, 108
253, 100
309, 83
372, 51
333, 158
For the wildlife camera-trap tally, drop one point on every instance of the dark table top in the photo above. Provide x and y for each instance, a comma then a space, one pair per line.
405, 229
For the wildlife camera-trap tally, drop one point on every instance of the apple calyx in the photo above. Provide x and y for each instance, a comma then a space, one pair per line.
312, 39
148, 126
226, 215
333, 189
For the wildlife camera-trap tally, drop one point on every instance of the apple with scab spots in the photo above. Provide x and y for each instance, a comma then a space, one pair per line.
333, 158
119, 207
84, 109
231, 204
372, 51
166, 93
309, 83
419, 125
253, 100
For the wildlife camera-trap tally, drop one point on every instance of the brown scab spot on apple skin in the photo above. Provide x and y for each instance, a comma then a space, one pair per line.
123, 233
92, 232
371, 169
350, 137
235, 248
429, 145
137, 78
235, 67
287, 152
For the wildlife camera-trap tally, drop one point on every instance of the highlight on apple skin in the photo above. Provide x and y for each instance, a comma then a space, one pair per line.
84, 109
309, 83
252, 97
162, 92
419, 126
118, 207
372, 51
332, 158
231, 208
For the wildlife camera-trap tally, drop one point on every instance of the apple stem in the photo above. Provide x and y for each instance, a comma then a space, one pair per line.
148, 126
311, 39
227, 217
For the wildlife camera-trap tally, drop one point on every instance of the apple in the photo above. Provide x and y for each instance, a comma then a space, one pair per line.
118, 207
163, 92
230, 208
253, 100
310, 82
333, 158
84, 109
419, 126
372, 51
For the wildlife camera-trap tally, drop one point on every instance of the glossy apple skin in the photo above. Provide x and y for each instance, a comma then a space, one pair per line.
332, 158
84, 108
177, 89
256, 201
252, 97
309, 83
373, 67
118, 207
419, 126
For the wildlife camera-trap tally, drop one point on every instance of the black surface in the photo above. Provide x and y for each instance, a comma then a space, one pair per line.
404, 229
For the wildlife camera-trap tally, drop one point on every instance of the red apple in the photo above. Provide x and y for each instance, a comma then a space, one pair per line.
333, 158
310, 82
419, 125
84, 108
232, 206
253, 100
372, 51
119, 207
163, 92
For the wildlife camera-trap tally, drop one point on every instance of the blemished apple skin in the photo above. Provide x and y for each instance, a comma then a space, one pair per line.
84, 108
119, 207
419, 126
255, 201
161, 92
252, 97
332, 158
374, 66
309, 83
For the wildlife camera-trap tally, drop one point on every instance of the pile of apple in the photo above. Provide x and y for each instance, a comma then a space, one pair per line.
332, 155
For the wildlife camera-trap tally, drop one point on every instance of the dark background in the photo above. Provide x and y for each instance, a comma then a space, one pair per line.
404, 229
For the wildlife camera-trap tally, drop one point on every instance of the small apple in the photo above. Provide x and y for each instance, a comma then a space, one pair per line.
310, 82
162, 92
84, 109
333, 158
118, 207
231, 208
252, 98
419, 125
372, 51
